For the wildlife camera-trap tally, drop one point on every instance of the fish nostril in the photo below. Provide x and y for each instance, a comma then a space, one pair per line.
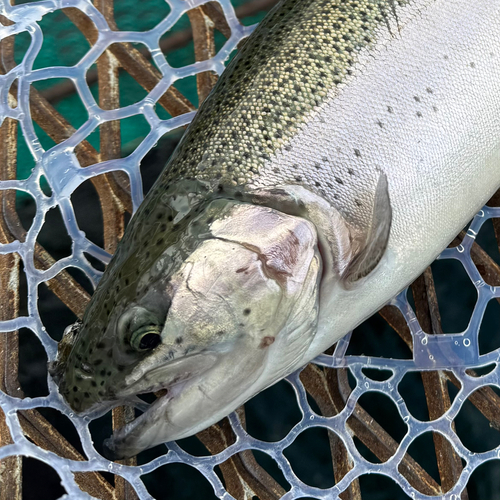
86, 368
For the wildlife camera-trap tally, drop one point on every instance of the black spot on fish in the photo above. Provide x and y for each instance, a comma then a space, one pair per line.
357, 153
75, 388
97, 362
179, 340
100, 345
93, 383
246, 311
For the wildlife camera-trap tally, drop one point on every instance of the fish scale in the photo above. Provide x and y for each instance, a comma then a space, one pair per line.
305, 48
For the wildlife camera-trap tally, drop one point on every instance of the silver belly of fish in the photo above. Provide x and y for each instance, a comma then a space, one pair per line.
243, 265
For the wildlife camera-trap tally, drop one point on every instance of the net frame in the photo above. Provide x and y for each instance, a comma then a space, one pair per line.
73, 160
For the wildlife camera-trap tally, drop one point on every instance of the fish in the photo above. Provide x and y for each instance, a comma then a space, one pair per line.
342, 149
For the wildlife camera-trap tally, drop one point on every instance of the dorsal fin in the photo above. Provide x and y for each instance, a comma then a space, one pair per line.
372, 247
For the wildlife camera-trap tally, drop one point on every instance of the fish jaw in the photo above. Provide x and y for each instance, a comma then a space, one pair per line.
189, 405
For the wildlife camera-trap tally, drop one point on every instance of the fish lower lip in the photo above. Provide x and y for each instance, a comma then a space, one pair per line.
117, 446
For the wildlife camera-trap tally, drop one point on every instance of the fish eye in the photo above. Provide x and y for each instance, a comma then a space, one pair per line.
146, 338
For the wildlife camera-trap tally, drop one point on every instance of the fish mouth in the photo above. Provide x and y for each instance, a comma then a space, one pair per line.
128, 397
169, 381
166, 376
115, 447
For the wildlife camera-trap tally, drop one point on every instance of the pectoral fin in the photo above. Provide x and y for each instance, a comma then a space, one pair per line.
371, 246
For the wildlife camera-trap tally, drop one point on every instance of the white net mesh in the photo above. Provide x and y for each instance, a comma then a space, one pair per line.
59, 165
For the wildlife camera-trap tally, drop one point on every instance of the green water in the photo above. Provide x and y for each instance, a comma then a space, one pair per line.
64, 45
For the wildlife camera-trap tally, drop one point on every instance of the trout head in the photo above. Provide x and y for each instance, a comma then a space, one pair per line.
205, 301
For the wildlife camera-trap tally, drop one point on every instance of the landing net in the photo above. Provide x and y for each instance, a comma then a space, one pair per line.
461, 374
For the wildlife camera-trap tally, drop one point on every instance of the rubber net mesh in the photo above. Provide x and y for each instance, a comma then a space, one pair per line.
361, 445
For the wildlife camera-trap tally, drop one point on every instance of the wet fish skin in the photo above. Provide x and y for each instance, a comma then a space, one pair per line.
367, 120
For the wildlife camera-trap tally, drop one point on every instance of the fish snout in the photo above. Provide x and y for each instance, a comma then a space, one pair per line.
58, 367
56, 370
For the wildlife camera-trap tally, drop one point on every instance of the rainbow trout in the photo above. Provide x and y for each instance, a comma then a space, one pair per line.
342, 149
